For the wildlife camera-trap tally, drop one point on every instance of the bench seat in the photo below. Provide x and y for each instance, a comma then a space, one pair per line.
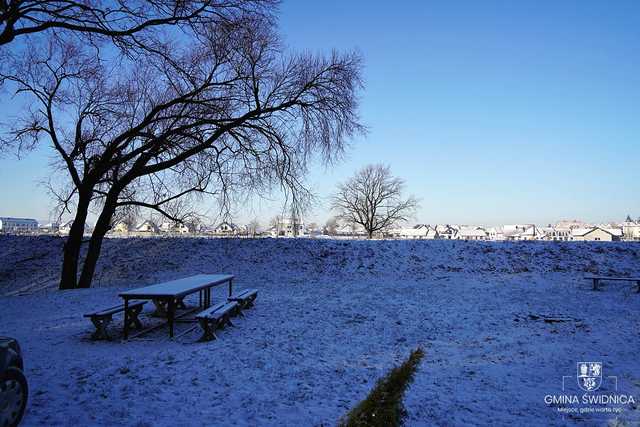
245, 298
215, 317
597, 279
102, 318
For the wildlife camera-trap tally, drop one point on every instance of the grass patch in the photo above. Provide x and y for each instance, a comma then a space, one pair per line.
383, 406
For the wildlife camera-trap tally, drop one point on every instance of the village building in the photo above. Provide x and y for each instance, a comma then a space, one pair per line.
174, 228
557, 234
287, 227
147, 227
419, 231
472, 233
120, 227
49, 228
18, 225
446, 231
631, 230
595, 234
226, 228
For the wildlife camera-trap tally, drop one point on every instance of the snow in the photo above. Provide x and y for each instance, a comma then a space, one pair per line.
330, 319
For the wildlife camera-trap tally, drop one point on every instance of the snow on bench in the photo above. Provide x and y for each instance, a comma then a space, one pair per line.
216, 317
245, 298
102, 318
597, 279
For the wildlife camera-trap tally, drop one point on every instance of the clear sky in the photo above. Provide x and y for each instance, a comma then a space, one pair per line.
493, 112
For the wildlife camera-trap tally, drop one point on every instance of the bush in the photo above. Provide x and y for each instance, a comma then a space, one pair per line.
383, 406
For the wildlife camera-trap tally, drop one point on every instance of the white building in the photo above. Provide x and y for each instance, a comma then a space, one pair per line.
631, 230
147, 227
472, 233
174, 227
557, 234
419, 231
595, 234
226, 229
287, 227
18, 225
446, 231
49, 228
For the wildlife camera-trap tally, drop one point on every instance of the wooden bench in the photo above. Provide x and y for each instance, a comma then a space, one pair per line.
245, 298
102, 318
598, 279
216, 317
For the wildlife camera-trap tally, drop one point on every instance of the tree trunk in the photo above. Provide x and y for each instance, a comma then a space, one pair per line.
95, 245
73, 244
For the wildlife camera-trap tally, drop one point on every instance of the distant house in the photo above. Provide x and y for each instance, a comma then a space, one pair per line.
419, 231
557, 234
18, 225
120, 227
226, 229
446, 231
147, 227
174, 227
350, 229
528, 232
595, 234
287, 227
631, 230
65, 227
495, 233
472, 233
49, 228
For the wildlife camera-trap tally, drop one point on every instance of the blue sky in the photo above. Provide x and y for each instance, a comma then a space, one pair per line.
493, 112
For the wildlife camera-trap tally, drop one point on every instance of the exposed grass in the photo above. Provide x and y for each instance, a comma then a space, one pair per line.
383, 406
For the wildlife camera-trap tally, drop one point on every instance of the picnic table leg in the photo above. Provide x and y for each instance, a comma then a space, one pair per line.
230, 287
171, 311
595, 284
126, 318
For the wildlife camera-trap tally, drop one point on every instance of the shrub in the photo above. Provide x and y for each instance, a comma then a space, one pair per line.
383, 406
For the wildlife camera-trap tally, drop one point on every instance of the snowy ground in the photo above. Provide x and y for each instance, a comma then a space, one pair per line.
331, 318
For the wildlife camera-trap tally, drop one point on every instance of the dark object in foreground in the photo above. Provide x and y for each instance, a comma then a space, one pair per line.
598, 279
383, 407
14, 390
102, 318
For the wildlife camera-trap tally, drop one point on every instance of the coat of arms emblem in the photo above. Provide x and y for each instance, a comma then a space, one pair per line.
589, 375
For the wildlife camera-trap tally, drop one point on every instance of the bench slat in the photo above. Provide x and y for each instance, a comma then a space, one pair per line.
217, 311
115, 309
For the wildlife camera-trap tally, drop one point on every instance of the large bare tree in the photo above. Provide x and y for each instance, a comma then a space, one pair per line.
230, 111
373, 198
125, 22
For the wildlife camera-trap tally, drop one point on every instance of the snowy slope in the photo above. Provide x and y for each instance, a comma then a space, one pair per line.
35, 261
331, 318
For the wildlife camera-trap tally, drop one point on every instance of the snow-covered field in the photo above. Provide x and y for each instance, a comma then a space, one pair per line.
331, 318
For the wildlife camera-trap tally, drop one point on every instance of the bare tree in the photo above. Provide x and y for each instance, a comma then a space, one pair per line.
331, 227
253, 228
373, 198
127, 23
232, 112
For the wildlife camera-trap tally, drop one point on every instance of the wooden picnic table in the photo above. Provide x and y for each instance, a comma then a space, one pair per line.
173, 292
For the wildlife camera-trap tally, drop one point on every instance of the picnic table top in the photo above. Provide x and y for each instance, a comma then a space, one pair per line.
612, 278
179, 287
